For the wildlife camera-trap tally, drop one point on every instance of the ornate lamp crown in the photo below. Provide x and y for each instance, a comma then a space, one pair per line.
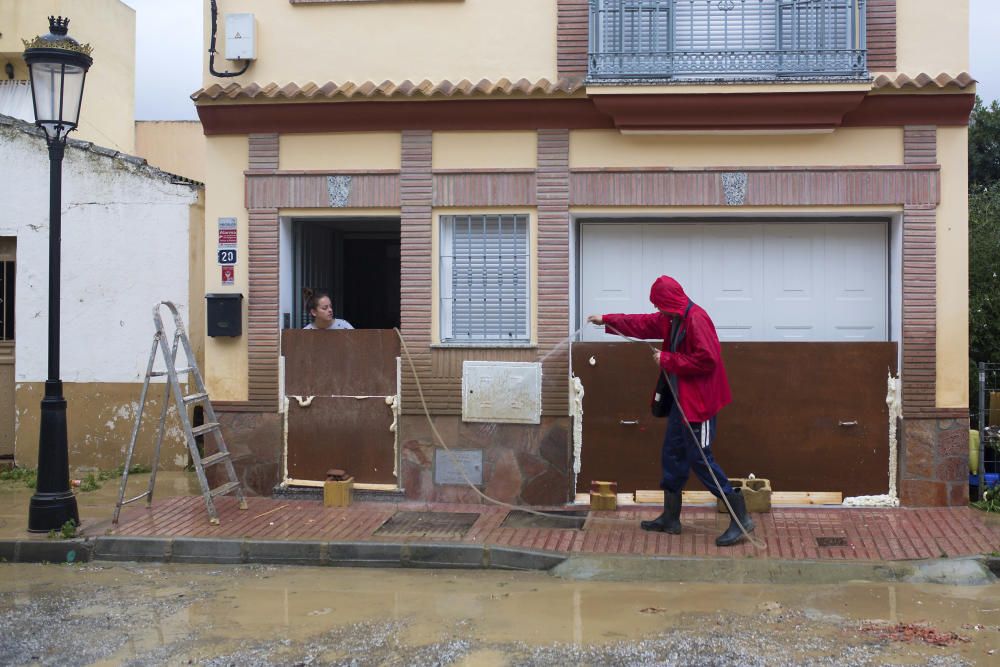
58, 38
58, 25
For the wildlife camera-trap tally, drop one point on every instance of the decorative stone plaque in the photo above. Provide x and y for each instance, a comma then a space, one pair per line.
449, 466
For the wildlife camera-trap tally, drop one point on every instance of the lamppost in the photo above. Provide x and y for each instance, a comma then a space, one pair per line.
58, 65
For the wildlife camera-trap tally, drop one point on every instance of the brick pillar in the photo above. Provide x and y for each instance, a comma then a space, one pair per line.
553, 267
416, 187
933, 463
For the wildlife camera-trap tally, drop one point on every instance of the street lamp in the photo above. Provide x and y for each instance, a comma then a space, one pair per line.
58, 65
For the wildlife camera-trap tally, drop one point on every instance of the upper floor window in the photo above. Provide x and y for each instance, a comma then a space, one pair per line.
727, 39
484, 279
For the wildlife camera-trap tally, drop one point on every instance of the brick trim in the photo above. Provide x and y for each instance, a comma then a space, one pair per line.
553, 196
793, 186
919, 144
573, 38
919, 310
494, 188
263, 153
416, 186
282, 190
880, 26
263, 335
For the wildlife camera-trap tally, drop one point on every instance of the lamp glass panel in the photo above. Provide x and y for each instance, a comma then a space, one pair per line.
57, 89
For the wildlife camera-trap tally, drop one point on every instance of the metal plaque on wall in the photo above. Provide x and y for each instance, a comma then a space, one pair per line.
449, 466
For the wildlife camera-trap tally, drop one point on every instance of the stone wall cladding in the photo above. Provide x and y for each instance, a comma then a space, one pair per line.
522, 464
934, 463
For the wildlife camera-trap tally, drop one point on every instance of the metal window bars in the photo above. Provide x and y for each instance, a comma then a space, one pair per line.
987, 419
727, 39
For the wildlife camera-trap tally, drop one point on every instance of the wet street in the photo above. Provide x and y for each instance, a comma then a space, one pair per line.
105, 614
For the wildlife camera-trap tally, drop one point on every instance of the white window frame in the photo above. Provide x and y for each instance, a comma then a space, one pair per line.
446, 274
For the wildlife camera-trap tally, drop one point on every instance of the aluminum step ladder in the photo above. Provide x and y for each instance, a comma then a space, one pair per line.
182, 401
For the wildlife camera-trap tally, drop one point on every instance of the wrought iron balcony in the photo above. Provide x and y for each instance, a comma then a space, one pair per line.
727, 40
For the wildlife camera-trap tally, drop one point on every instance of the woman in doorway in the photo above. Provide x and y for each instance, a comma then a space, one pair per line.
320, 307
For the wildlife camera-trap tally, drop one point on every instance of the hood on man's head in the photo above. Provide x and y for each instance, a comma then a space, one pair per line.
667, 294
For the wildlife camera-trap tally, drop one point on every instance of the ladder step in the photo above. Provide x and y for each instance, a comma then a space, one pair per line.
205, 428
195, 398
225, 488
214, 458
138, 497
157, 374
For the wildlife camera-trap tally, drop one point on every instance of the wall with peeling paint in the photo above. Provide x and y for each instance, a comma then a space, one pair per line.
125, 245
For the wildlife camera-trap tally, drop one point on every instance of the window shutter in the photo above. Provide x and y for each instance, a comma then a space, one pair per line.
485, 278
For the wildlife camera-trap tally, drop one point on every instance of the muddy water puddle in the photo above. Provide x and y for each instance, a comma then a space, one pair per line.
257, 615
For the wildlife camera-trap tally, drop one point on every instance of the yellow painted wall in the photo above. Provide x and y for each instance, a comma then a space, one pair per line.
932, 36
349, 150
953, 270
436, 263
378, 41
176, 146
485, 150
226, 358
847, 146
108, 111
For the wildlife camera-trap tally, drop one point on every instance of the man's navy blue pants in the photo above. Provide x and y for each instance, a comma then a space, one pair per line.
681, 454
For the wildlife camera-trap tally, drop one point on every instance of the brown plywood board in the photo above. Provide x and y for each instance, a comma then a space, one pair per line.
783, 424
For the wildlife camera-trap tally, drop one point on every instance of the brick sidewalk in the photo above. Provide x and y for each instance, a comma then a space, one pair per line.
788, 533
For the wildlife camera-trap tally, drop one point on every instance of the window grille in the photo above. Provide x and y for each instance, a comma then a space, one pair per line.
6, 300
484, 278
729, 39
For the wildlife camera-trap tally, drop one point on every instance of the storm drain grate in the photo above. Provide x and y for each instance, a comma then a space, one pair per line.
567, 519
831, 541
430, 524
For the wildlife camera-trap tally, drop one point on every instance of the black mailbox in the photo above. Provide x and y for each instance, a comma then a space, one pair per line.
225, 314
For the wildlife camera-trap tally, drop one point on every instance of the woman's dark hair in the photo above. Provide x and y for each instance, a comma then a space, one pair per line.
312, 298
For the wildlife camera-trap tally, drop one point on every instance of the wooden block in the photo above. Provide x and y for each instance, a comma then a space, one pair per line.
338, 493
756, 494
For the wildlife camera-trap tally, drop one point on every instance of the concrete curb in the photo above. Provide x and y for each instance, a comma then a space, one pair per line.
954, 571
951, 571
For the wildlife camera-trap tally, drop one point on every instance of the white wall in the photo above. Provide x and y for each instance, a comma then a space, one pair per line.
124, 247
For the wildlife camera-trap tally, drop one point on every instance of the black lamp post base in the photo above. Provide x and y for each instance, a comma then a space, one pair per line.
51, 511
53, 503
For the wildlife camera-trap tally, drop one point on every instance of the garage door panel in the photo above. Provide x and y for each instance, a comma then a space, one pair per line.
611, 278
731, 279
793, 282
674, 250
855, 260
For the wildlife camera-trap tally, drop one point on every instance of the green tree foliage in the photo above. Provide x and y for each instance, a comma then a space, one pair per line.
984, 146
984, 274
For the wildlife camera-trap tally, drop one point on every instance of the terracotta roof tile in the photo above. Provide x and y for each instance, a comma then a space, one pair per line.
407, 88
963, 80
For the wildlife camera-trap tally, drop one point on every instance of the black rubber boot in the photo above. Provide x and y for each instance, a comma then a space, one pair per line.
733, 534
670, 520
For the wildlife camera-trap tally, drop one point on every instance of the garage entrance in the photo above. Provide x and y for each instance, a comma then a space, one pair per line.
802, 310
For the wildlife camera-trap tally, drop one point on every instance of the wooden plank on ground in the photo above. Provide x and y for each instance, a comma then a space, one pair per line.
777, 498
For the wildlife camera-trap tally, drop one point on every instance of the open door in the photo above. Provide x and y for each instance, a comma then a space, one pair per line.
7, 273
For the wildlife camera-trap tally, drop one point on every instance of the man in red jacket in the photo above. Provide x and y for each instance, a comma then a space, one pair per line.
691, 358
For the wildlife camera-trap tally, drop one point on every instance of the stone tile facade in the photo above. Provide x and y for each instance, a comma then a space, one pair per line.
522, 464
934, 462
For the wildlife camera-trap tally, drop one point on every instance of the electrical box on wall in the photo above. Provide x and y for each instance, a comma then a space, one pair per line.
241, 37
502, 391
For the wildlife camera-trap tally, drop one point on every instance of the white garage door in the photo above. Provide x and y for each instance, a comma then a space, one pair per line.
758, 281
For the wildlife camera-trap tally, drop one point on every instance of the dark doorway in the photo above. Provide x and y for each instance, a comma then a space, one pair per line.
356, 261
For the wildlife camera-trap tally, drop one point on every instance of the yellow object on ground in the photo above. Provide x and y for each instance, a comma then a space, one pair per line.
338, 493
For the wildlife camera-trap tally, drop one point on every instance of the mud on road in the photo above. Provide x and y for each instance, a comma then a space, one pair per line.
104, 614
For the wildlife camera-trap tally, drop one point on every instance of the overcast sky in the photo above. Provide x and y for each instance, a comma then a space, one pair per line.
169, 55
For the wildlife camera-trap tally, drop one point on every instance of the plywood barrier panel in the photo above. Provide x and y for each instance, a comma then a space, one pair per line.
791, 420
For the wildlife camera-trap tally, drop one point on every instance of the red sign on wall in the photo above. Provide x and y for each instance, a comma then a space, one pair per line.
228, 275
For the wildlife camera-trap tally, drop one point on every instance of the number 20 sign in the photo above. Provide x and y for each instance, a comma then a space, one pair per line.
227, 255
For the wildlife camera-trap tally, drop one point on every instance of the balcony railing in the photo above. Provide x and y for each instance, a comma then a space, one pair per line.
727, 39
